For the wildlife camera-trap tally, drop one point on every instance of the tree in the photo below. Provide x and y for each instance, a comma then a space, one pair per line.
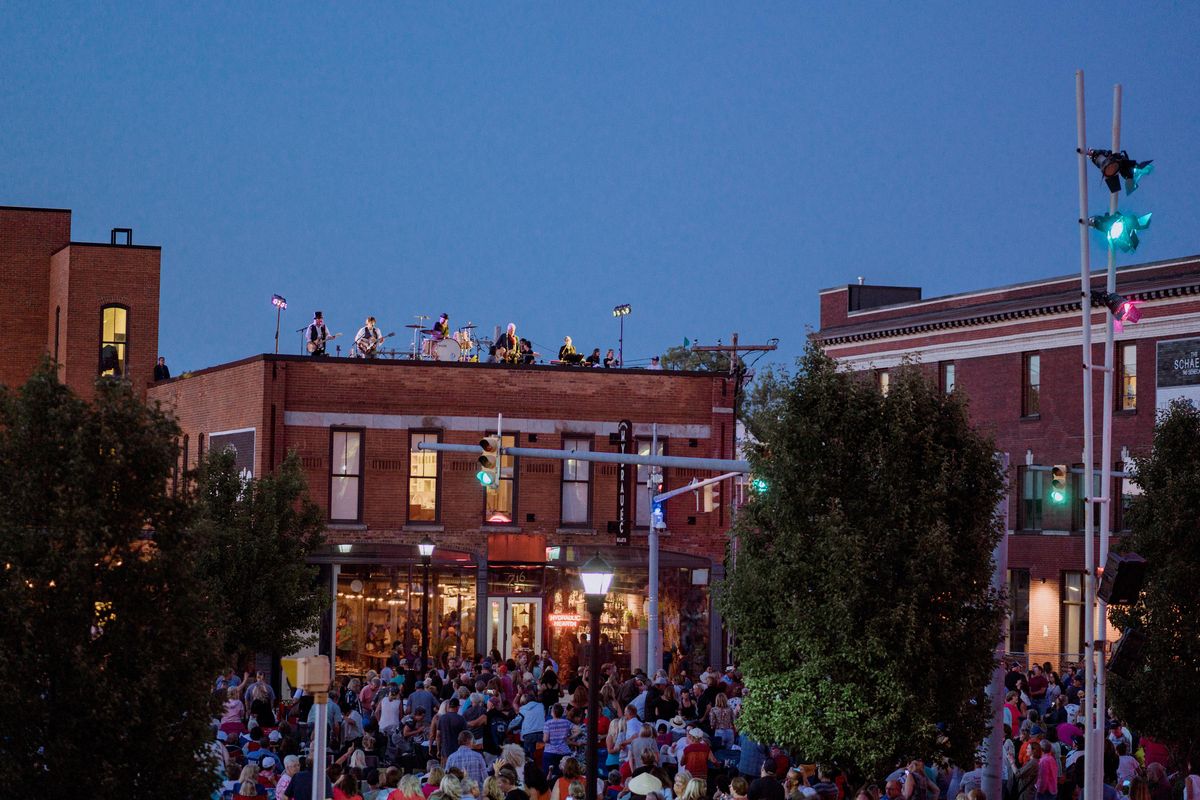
1161, 698
764, 399
875, 538
685, 358
107, 647
259, 534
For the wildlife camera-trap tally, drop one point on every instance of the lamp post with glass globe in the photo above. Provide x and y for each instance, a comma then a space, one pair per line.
426, 548
596, 576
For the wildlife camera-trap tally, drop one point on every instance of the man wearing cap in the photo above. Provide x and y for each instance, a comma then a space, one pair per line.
268, 776
697, 755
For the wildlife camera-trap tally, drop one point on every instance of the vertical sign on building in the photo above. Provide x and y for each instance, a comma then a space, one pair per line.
624, 440
1178, 372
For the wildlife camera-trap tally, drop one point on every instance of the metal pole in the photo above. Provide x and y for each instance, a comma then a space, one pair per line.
278, 311
1106, 459
425, 619
1092, 747
320, 745
334, 572
595, 604
714, 464
993, 764
652, 636
621, 344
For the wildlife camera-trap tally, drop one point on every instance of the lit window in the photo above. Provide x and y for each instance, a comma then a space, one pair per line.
1031, 385
1072, 616
422, 479
499, 505
1128, 383
1018, 611
576, 483
113, 340
345, 476
883, 379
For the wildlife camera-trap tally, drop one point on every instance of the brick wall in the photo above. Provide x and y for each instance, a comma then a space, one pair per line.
261, 390
28, 237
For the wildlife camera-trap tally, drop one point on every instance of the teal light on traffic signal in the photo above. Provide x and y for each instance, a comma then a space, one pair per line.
1058, 484
1121, 229
484, 477
758, 485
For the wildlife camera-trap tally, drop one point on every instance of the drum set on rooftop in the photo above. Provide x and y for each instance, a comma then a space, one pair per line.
432, 344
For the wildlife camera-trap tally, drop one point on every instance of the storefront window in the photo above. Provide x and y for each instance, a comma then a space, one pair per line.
380, 606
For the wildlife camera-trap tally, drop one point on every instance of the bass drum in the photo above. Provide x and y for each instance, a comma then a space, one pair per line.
446, 350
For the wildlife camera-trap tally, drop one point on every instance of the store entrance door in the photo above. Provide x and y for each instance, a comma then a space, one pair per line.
515, 625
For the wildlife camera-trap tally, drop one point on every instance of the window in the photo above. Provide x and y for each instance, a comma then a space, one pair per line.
57, 320
1129, 490
883, 380
1032, 491
642, 516
947, 376
1018, 611
1031, 384
114, 342
1079, 504
576, 484
345, 475
1072, 616
422, 478
500, 501
1127, 376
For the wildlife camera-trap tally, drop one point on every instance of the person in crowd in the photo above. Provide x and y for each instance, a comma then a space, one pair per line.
720, 718
697, 755
433, 777
161, 371
234, 712
766, 786
610, 360
466, 758
346, 787
1047, 775
509, 785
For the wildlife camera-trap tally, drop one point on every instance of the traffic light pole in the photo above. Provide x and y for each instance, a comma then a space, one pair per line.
1106, 459
1093, 754
677, 462
653, 635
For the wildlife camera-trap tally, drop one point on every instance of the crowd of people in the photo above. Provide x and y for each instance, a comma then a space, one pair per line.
516, 730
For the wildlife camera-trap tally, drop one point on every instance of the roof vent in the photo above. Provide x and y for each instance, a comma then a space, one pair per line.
116, 232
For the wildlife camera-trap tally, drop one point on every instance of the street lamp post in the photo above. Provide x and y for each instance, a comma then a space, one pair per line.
596, 576
426, 547
621, 312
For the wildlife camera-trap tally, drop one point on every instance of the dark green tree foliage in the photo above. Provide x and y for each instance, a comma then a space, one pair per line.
686, 358
764, 399
259, 535
860, 594
1161, 700
106, 651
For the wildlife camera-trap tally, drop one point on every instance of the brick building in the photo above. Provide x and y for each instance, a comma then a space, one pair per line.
91, 307
1015, 352
505, 567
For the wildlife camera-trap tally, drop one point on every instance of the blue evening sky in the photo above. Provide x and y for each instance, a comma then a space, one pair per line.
714, 165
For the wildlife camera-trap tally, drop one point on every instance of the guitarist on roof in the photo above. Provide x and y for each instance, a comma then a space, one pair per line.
367, 340
317, 334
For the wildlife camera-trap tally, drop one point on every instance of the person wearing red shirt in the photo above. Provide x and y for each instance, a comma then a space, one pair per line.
697, 755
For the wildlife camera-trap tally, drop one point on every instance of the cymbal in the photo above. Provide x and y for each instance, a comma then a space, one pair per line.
470, 326
429, 331
413, 326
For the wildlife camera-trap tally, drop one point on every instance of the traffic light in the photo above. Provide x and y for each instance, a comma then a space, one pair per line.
1118, 165
1123, 309
1120, 229
712, 496
489, 461
758, 485
654, 485
1058, 484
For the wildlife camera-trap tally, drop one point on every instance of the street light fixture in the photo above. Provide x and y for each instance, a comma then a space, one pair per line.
596, 575
426, 548
621, 312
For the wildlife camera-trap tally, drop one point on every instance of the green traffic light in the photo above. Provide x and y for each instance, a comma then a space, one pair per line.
1058, 496
484, 477
758, 485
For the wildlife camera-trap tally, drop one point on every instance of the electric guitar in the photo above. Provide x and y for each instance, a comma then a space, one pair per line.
368, 349
319, 344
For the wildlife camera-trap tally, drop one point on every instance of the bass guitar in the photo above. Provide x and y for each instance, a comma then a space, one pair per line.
320, 343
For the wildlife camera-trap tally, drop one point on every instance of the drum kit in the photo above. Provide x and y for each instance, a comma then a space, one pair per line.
461, 345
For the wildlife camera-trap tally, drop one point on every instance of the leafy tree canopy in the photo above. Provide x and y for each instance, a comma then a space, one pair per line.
259, 534
875, 538
685, 358
107, 647
1161, 699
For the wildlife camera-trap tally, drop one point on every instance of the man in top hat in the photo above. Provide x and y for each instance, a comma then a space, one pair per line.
316, 335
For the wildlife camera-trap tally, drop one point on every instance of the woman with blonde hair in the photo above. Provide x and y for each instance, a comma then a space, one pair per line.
409, 788
696, 789
450, 788
248, 783
491, 789
720, 716
433, 778
682, 778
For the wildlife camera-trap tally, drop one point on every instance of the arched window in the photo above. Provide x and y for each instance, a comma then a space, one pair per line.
114, 341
